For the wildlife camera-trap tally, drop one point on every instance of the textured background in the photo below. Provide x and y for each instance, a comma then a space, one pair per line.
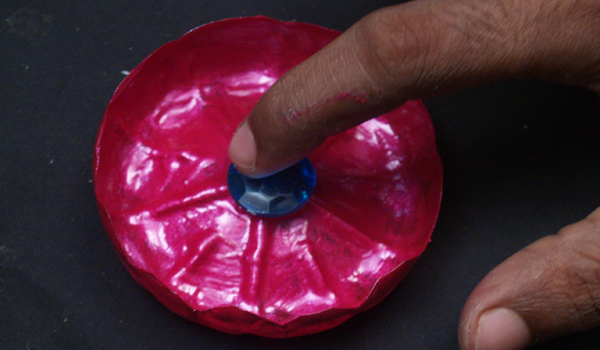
521, 160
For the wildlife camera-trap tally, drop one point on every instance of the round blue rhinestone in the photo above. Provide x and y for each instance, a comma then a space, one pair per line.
276, 195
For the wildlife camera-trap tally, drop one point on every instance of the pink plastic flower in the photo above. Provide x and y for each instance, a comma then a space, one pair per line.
160, 177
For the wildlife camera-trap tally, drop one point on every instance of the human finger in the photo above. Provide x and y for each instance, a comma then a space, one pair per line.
415, 50
548, 289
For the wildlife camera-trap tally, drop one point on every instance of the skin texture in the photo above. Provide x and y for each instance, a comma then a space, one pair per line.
423, 49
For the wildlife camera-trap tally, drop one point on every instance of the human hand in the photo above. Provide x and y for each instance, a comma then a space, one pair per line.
426, 48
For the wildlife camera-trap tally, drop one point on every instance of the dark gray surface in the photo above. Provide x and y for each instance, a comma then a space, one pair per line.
521, 161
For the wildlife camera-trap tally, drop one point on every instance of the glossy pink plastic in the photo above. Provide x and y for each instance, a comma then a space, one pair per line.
160, 179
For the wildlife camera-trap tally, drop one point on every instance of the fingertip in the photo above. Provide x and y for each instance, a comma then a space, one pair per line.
502, 329
242, 149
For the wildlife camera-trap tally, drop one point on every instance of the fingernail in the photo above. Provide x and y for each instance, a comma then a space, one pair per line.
242, 149
502, 329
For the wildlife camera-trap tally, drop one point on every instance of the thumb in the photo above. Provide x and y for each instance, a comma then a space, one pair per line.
550, 288
414, 50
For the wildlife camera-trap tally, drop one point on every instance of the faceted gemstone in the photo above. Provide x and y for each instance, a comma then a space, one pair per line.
276, 195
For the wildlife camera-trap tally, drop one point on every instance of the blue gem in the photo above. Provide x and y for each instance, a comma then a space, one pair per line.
276, 195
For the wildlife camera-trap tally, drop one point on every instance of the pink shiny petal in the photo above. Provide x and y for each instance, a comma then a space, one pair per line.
160, 177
